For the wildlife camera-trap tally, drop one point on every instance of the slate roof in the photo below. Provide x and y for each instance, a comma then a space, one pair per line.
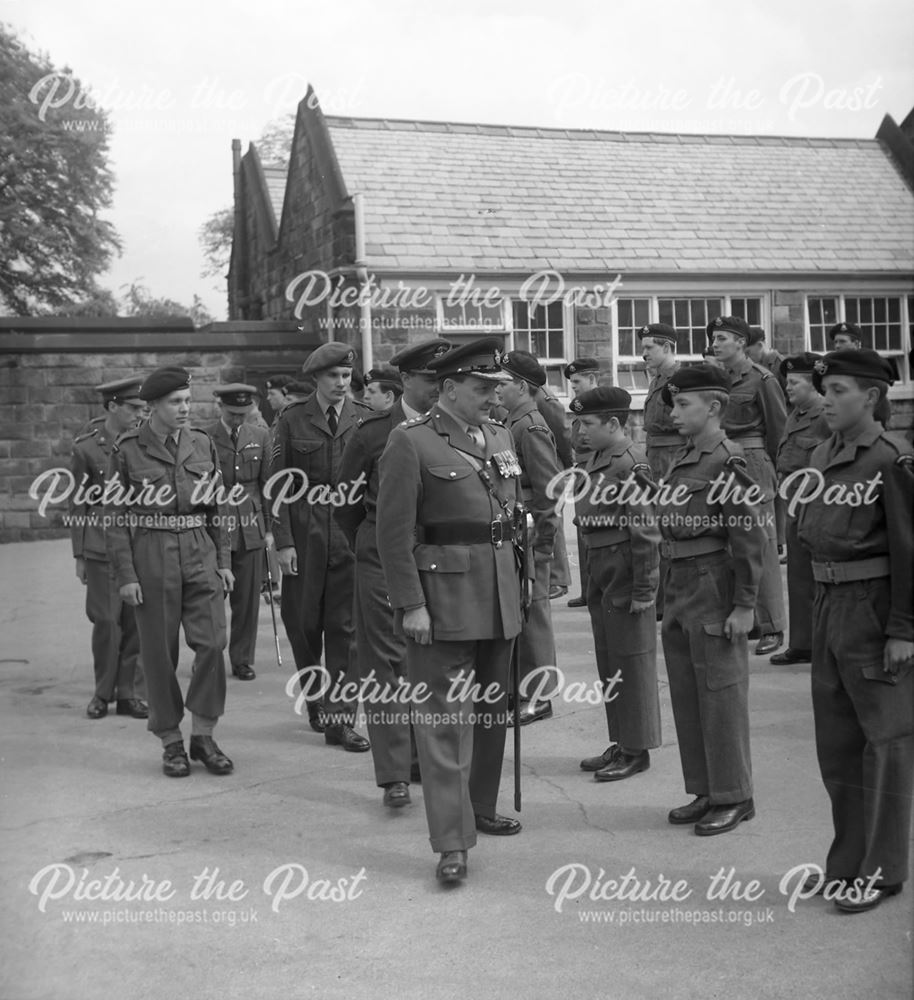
444, 197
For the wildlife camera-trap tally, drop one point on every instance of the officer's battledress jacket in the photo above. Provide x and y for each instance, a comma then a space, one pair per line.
246, 463
89, 465
140, 458
472, 591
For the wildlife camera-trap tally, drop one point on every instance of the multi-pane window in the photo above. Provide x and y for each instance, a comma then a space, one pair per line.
690, 318
539, 330
881, 318
749, 309
823, 314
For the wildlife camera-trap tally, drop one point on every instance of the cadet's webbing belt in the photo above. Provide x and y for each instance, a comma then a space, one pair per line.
467, 533
169, 522
687, 548
856, 569
748, 441
598, 538
664, 440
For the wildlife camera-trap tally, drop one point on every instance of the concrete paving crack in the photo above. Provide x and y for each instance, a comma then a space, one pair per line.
588, 822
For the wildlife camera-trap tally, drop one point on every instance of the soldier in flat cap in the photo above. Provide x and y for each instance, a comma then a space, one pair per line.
712, 541
382, 388
381, 649
622, 538
847, 337
316, 560
755, 418
855, 519
535, 448
450, 481
806, 427
170, 551
244, 458
582, 374
115, 640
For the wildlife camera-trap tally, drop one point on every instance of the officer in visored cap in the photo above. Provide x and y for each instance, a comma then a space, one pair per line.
115, 640
863, 630
447, 509
317, 563
169, 547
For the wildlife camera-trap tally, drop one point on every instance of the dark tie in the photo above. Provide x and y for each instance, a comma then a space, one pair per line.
332, 419
234, 436
171, 445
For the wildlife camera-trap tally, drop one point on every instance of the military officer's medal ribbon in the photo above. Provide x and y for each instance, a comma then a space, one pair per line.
507, 463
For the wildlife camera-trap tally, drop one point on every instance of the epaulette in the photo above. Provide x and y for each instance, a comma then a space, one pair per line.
416, 421
492, 420
85, 436
126, 434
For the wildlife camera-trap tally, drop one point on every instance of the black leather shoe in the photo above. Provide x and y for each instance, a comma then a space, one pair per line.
396, 794
174, 761
530, 712
791, 655
577, 602
556, 592
769, 643
595, 763
723, 819
862, 899
205, 749
133, 707
244, 672
345, 736
452, 867
498, 826
624, 766
97, 708
316, 718
699, 806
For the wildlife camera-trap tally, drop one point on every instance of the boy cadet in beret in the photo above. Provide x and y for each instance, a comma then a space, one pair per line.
317, 563
583, 374
451, 481
244, 459
115, 640
755, 418
805, 428
770, 359
713, 544
535, 449
658, 349
169, 548
622, 539
382, 650
847, 337
863, 629
382, 388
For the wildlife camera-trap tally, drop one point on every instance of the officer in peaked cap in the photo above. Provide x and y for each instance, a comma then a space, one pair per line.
115, 640
317, 563
244, 457
863, 629
169, 548
535, 447
847, 336
450, 480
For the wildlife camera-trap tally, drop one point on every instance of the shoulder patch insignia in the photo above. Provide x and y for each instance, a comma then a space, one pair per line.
905, 462
86, 435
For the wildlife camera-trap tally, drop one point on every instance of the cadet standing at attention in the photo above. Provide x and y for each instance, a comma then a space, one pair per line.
714, 546
170, 552
382, 650
863, 629
244, 458
622, 539
805, 429
450, 486
658, 349
115, 640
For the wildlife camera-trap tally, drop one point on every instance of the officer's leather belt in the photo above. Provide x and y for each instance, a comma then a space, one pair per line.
468, 533
169, 522
598, 538
748, 440
847, 572
664, 440
688, 548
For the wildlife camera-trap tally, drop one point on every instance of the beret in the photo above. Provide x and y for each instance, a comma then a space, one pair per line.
385, 376
798, 364
581, 365
658, 331
851, 329
164, 381
332, 355
756, 335
278, 381
415, 359
235, 396
121, 389
479, 357
696, 378
520, 364
862, 363
730, 324
299, 388
603, 399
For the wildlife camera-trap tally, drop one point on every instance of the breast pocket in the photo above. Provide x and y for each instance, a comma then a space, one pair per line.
689, 515
450, 473
741, 410
251, 459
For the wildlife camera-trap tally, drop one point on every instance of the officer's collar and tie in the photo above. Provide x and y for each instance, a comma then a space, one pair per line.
468, 433
232, 432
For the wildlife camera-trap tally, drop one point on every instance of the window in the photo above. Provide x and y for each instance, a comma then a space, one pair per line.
540, 330
823, 314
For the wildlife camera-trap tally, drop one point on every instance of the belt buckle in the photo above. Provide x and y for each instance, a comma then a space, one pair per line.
497, 536
666, 549
830, 576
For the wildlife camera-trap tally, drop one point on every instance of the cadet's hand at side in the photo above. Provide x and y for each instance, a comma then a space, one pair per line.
417, 625
738, 623
896, 654
131, 594
288, 561
81, 569
228, 580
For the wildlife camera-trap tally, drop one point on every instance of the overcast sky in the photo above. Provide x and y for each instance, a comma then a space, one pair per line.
182, 78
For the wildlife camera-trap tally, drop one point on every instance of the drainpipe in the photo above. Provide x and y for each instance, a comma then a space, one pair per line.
362, 274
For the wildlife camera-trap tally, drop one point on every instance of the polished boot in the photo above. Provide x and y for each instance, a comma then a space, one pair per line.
692, 813
769, 643
624, 765
452, 867
791, 655
860, 900
316, 718
97, 708
244, 672
723, 819
497, 826
396, 794
206, 750
133, 707
174, 761
595, 763
343, 735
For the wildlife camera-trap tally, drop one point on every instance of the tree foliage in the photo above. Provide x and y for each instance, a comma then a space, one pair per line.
136, 300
